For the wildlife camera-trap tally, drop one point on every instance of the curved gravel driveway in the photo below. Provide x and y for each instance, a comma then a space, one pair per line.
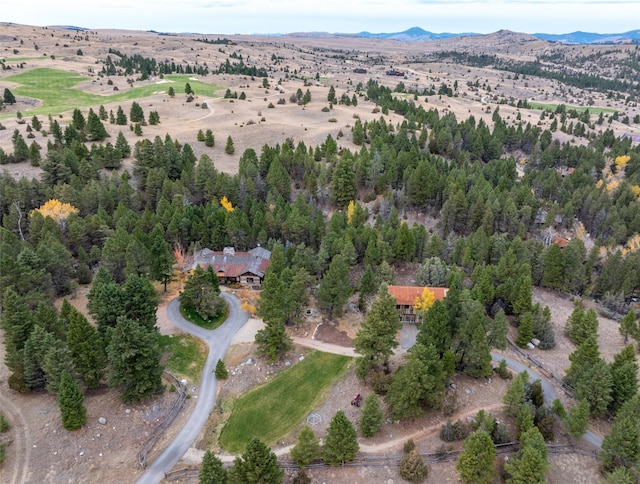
218, 341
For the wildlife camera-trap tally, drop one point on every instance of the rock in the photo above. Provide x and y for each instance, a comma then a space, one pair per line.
301, 358
184, 382
81, 453
250, 361
102, 420
287, 363
127, 411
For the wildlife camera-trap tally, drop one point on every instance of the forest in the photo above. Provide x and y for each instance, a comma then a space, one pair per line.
336, 221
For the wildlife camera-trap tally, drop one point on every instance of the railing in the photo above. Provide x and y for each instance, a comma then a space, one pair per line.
545, 371
161, 428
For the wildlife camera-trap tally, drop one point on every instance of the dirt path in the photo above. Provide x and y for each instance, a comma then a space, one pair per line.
17, 465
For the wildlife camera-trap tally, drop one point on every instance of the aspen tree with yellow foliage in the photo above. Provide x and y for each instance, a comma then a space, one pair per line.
226, 204
57, 210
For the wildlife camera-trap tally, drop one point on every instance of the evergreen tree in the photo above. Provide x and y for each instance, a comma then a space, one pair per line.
17, 324
229, 148
171, 91
473, 353
530, 464
497, 329
376, 338
419, 384
87, 349
624, 371
212, 471
343, 183
95, 129
307, 449
273, 341
577, 419
334, 290
516, 395
8, 96
57, 360
258, 465
161, 258
209, 140
136, 114
525, 330
552, 268
221, 371
134, 360
594, 384
412, 468
372, 417
585, 356
121, 117
71, 403
621, 447
435, 328
78, 120
140, 301
477, 461
341, 442
187, 89
629, 326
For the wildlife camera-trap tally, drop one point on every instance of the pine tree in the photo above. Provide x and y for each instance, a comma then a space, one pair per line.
17, 324
71, 403
372, 417
577, 419
136, 114
121, 117
629, 326
376, 338
334, 290
258, 465
209, 140
212, 471
307, 449
229, 148
516, 396
221, 371
621, 447
341, 442
87, 349
530, 464
525, 330
477, 461
8, 96
134, 361
140, 301
95, 129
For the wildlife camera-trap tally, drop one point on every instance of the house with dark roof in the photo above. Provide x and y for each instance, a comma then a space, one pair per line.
233, 267
406, 296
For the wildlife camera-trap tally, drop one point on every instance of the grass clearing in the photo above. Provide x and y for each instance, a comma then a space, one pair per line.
187, 355
276, 408
580, 109
56, 89
194, 317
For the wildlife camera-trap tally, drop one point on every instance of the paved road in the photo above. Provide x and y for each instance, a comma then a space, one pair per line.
218, 341
549, 392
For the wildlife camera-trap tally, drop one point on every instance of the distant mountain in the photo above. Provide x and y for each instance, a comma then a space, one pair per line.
591, 38
414, 34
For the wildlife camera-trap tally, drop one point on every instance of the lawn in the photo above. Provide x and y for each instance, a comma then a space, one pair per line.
194, 317
187, 355
58, 93
276, 408
552, 107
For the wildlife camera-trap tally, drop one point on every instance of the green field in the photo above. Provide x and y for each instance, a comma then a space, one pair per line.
192, 316
58, 93
276, 408
187, 355
552, 107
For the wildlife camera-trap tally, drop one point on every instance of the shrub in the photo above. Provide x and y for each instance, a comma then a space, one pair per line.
409, 445
271, 106
333, 120
413, 469
4, 424
325, 109
503, 371
451, 432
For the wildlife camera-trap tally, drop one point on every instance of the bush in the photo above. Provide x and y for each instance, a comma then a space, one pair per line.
4, 424
325, 109
413, 469
380, 382
271, 106
451, 432
3, 452
301, 478
503, 371
409, 445
333, 120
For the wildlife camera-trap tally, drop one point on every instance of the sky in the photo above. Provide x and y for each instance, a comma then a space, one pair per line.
342, 16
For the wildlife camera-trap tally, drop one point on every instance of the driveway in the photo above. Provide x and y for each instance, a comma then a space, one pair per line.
218, 341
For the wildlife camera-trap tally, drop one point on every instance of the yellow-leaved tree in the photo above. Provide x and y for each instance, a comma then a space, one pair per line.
57, 210
424, 301
351, 208
226, 204
621, 162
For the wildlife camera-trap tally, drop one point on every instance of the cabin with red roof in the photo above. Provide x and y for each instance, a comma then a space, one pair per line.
406, 296
234, 267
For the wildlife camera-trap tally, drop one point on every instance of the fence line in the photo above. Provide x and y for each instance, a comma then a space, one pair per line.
569, 391
161, 428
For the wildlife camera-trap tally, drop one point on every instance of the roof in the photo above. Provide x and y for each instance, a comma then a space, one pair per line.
234, 264
407, 295
561, 241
